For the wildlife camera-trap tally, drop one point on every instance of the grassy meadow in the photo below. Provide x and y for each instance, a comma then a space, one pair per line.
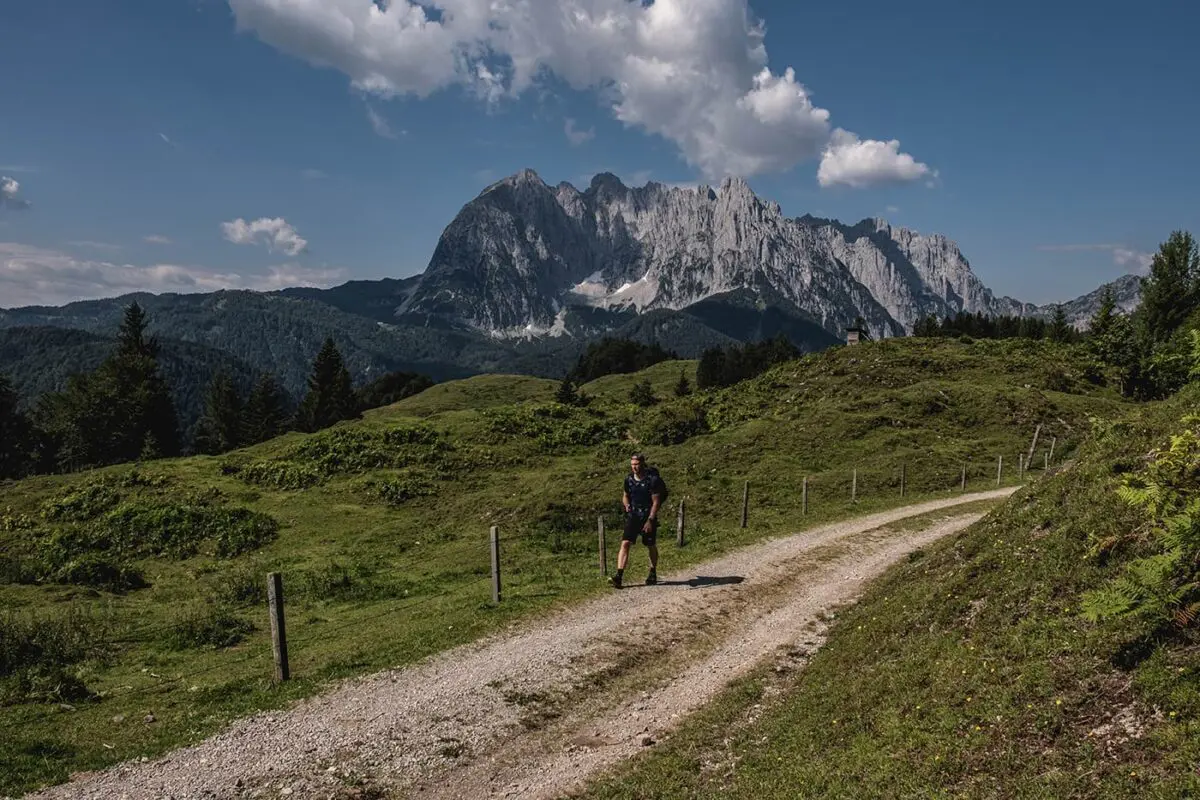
970, 671
134, 596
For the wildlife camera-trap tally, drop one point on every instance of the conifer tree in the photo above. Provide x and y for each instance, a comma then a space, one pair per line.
1171, 292
16, 434
220, 429
683, 387
642, 393
330, 397
1059, 331
566, 393
122, 411
265, 412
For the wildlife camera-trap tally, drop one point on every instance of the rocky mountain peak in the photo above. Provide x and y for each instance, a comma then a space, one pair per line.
514, 262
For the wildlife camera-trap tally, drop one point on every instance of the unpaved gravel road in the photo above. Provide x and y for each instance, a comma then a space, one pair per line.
537, 711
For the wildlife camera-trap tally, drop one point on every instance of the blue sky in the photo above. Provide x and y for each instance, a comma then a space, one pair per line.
164, 145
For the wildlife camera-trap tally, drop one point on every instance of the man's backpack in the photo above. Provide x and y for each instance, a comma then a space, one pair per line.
662, 484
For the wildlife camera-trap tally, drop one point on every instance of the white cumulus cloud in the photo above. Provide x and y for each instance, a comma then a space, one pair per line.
694, 72
850, 161
9, 188
275, 233
1135, 259
38, 276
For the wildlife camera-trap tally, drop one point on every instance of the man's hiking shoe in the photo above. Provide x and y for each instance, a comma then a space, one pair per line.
652, 578
615, 580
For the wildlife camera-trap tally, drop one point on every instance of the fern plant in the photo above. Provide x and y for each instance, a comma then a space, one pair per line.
1162, 586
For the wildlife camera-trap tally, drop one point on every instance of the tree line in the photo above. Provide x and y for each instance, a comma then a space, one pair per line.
123, 410
1003, 326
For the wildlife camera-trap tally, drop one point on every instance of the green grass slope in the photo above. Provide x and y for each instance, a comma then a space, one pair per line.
134, 597
970, 671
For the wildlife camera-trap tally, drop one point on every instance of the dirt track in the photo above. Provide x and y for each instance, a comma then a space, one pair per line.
535, 712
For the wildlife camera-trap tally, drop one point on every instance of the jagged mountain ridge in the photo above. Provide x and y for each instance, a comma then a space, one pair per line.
522, 252
1127, 295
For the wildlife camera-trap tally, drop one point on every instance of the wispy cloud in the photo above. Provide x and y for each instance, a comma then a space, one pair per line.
577, 136
168, 140
1123, 255
155, 238
39, 276
18, 168
314, 174
380, 125
276, 233
1072, 248
92, 245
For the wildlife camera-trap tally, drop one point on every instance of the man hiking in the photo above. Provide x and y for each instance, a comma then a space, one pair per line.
644, 493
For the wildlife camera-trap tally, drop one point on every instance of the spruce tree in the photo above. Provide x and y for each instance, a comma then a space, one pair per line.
122, 411
265, 413
1171, 292
566, 393
330, 397
1101, 322
220, 429
1059, 331
643, 393
683, 387
16, 434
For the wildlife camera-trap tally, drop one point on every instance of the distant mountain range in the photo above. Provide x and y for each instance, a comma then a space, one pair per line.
527, 274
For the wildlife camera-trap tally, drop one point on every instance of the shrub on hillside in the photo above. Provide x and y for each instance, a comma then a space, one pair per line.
1161, 586
38, 652
344, 451
673, 423
211, 625
399, 490
551, 426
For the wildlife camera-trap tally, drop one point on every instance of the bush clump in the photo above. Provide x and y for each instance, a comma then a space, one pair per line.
673, 423
214, 625
399, 490
345, 451
37, 654
551, 426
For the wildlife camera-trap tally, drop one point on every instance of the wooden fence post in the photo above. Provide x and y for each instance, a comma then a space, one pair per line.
804, 497
278, 631
1053, 441
495, 541
679, 521
854, 487
1020, 466
1046, 467
745, 503
999, 469
962, 484
1033, 446
603, 546
903, 470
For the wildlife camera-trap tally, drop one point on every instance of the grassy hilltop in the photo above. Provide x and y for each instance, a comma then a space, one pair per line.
136, 591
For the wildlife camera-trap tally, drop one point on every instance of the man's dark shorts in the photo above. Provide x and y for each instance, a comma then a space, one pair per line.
634, 521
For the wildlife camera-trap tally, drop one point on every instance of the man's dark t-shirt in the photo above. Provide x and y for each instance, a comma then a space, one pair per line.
640, 490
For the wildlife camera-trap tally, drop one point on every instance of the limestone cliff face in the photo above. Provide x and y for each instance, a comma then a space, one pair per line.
522, 251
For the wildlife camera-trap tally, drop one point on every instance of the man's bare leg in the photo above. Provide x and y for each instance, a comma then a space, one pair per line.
623, 555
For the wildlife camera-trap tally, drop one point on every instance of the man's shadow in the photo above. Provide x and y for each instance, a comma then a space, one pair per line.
700, 581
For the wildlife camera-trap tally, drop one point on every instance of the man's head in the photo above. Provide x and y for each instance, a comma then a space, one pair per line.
636, 462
